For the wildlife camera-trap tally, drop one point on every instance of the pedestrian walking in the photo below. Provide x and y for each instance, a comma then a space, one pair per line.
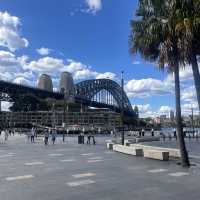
46, 136
152, 132
140, 133
6, 135
143, 132
32, 135
93, 139
63, 136
2, 138
170, 137
175, 135
88, 139
164, 137
53, 135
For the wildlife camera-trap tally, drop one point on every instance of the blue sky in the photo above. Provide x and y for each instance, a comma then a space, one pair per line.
89, 38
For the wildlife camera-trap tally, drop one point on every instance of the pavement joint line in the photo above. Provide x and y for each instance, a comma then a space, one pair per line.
83, 175
5, 156
60, 150
15, 178
34, 163
178, 174
68, 160
95, 158
87, 154
11, 153
109, 152
94, 161
157, 170
55, 154
80, 183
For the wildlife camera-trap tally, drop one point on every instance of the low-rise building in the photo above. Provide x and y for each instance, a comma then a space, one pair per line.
98, 119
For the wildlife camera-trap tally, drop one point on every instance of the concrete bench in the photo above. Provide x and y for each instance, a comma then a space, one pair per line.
128, 142
147, 139
110, 145
172, 152
128, 150
156, 154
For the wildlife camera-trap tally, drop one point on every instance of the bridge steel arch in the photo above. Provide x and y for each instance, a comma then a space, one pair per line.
89, 88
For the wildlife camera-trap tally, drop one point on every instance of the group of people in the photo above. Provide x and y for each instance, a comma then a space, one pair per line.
48, 132
32, 135
52, 133
89, 139
142, 133
5, 133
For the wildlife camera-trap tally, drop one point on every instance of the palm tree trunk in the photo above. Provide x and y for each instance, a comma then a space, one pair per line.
196, 74
184, 155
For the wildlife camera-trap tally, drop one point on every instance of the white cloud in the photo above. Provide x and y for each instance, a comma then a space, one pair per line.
82, 71
106, 75
22, 81
93, 6
188, 94
136, 62
165, 110
43, 51
148, 87
10, 65
5, 105
145, 111
46, 65
9, 32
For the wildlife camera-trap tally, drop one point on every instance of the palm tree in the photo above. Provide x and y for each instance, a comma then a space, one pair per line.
153, 35
188, 31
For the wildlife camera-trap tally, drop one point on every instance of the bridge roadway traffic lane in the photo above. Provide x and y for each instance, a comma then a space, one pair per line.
80, 172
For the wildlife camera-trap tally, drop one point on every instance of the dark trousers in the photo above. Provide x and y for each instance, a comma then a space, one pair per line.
32, 138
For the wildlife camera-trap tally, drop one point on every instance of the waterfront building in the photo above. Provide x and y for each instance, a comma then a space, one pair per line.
105, 120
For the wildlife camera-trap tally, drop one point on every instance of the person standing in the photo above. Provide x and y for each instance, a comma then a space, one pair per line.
63, 136
143, 132
32, 135
2, 136
88, 138
152, 132
46, 136
6, 135
54, 134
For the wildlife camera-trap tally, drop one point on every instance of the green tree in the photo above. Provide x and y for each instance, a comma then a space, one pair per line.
153, 35
187, 17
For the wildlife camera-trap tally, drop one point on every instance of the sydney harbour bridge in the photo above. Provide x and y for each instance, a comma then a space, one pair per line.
99, 93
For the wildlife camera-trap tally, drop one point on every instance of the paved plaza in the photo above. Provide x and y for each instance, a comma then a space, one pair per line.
72, 172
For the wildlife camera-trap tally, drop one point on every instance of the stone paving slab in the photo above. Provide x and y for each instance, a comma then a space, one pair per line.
88, 172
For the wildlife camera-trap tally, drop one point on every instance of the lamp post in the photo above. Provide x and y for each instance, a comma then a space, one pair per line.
122, 106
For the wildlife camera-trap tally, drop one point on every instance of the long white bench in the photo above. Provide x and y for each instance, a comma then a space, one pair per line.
172, 152
128, 150
156, 154
128, 142
147, 139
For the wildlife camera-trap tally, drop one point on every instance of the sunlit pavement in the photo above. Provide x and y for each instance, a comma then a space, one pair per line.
72, 172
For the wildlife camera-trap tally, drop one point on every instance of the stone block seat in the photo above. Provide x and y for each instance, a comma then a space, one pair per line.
156, 154
128, 150
175, 153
